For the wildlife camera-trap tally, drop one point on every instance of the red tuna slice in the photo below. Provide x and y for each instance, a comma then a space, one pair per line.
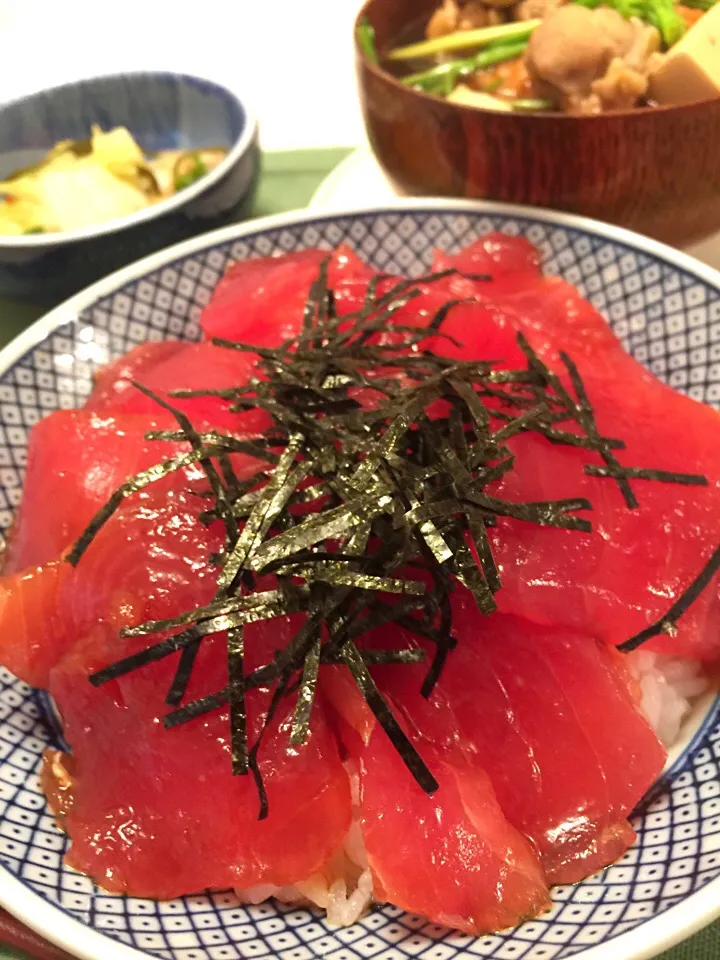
84, 457
167, 817
452, 856
33, 633
262, 301
472, 328
627, 573
510, 262
150, 560
537, 712
547, 309
554, 317
531, 704
197, 366
114, 379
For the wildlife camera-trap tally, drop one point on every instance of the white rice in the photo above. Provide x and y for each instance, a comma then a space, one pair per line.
669, 687
344, 890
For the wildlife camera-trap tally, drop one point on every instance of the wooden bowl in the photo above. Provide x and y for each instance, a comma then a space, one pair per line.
654, 170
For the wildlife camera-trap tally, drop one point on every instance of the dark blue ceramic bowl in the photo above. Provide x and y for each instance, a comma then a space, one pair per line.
162, 111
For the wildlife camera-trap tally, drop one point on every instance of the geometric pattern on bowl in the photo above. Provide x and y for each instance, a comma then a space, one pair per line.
667, 317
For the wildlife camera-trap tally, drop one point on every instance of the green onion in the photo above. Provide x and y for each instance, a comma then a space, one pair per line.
183, 177
447, 74
531, 106
700, 4
660, 14
464, 39
626, 8
34, 230
365, 36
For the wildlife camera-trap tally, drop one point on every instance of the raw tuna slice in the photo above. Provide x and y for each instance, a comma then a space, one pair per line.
151, 559
262, 301
547, 309
537, 712
34, 634
167, 816
626, 574
197, 366
451, 856
148, 562
76, 459
510, 263
531, 706
115, 378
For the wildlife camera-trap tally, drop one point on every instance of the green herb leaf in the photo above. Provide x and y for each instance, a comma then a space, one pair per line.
365, 36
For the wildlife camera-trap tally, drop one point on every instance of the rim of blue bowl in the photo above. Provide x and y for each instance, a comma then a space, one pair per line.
180, 199
644, 941
68, 310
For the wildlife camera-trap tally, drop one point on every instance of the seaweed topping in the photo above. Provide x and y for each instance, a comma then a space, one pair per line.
667, 623
370, 505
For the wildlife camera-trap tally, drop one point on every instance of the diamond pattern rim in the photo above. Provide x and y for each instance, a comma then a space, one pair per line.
665, 307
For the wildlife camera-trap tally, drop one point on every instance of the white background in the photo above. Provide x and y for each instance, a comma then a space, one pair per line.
291, 59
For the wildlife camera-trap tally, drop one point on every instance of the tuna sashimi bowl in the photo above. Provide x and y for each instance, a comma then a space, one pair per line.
360, 595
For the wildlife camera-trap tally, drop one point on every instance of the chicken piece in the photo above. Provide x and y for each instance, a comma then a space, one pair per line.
621, 87
536, 9
476, 15
627, 78
642, 54
473, 14
574, 46
591, 60
444, 20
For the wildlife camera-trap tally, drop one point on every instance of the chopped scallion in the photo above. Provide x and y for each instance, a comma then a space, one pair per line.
466, 40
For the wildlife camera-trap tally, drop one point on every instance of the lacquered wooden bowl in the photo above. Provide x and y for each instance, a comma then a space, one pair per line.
656, 171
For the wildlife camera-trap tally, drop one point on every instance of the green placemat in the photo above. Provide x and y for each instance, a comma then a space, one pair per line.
289, 179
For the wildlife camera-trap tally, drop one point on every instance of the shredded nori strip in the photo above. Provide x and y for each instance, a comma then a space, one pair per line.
586, 418
667, 622
236, 698
386, 718
306, 694
364, 513
640, 473
183, 672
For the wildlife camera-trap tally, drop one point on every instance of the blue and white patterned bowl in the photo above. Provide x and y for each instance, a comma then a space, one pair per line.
163, 111
666, 309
